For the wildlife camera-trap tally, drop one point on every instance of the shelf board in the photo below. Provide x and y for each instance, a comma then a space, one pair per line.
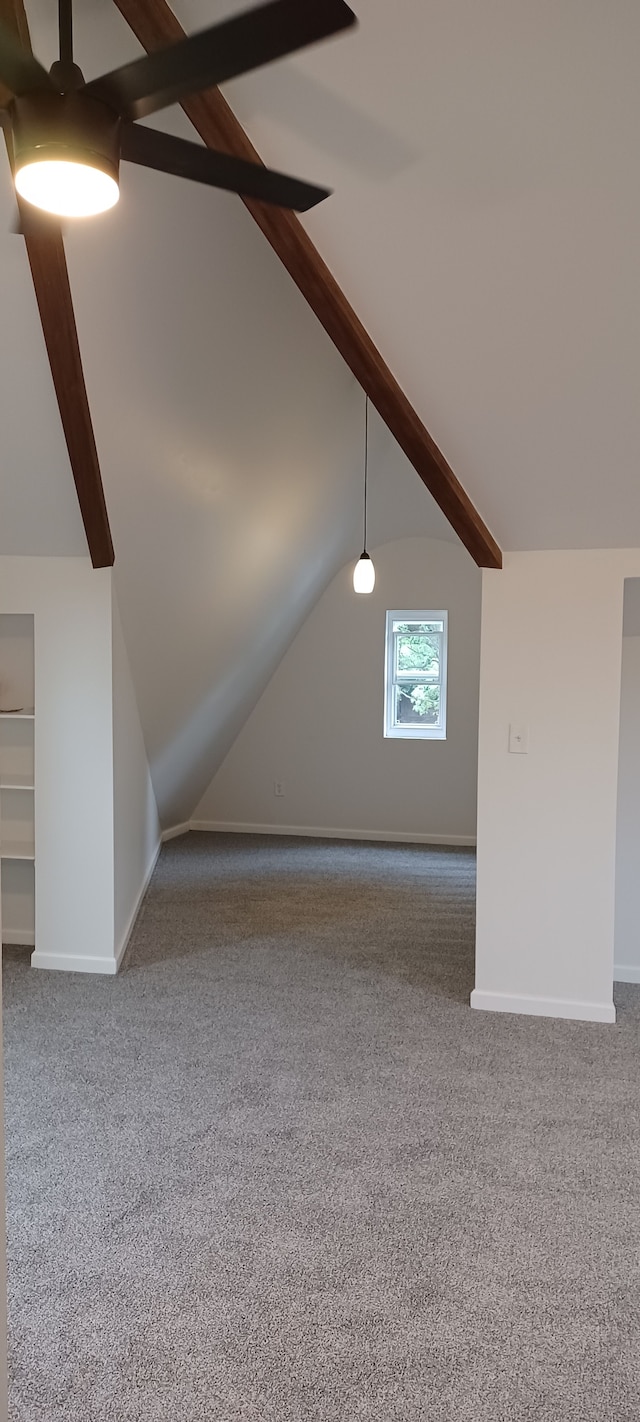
8, 781
9, 850
17, 715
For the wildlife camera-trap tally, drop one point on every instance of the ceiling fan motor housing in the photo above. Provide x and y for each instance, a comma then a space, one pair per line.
73, 128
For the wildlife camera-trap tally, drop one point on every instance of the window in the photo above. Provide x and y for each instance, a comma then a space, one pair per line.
415, 704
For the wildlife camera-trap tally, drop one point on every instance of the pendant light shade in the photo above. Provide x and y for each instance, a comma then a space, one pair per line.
364, 573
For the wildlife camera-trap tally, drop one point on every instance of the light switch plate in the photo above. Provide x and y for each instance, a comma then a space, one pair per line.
519, 739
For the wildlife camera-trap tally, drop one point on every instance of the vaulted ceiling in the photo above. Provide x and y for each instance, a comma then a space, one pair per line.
484, 226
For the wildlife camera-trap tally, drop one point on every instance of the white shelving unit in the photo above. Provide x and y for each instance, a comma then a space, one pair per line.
17, 778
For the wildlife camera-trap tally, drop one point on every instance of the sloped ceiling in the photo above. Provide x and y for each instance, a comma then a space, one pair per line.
34, 467
230, 435
485, 227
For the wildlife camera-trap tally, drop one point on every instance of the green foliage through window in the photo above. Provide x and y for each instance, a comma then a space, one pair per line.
418, 651
415, 675
425, 701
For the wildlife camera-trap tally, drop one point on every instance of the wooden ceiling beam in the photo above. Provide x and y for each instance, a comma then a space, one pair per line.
53, 295
156, 27
47, 260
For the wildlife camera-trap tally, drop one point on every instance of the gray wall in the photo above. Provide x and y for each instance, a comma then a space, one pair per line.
136, 827
318, 725
627, 923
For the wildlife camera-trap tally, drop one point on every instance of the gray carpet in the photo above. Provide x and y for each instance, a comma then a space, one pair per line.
277, 1171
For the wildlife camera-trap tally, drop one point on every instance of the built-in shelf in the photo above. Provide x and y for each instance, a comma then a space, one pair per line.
17, 778
16, 851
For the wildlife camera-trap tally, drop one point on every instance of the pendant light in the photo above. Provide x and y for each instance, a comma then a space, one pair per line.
364, 573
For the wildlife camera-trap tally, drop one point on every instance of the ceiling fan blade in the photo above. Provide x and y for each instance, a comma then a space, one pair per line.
167, 154
219, 53
19, 70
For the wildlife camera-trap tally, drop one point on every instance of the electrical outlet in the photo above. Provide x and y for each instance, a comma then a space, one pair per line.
278, 787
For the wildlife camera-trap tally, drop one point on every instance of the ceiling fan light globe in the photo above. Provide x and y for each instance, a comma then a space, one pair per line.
66, 187
66, 150
364, 575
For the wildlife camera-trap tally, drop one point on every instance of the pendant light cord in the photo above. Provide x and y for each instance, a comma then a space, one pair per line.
366, 457
65, 31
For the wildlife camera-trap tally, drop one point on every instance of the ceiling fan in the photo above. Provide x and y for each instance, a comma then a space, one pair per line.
67, 137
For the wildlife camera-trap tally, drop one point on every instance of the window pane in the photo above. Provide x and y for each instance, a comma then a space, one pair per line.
417, 648
417, 628
417, 705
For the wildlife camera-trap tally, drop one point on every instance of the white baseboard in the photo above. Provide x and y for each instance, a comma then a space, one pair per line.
174, 831
70, 964
624, 974
18, 937
543, 1006
124, 943
321, 832
74, 964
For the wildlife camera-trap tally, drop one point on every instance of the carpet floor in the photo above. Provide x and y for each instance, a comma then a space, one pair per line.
277, 1170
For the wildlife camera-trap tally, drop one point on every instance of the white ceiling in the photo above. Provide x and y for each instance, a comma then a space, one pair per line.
485, 226
34, 468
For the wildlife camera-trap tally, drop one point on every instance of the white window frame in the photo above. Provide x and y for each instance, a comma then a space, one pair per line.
414, 732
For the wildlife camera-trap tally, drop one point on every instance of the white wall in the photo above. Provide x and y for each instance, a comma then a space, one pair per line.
318, 725
96, 823
3, 1233
627, 922
551, 660
73, 755
136, 823
17, 806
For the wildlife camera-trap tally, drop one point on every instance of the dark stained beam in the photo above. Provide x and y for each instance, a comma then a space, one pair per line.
47, 260
156, 27
53, 295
